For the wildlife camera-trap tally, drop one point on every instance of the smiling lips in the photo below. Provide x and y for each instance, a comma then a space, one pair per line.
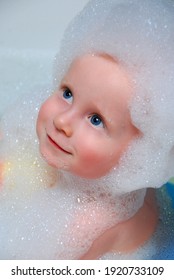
56, 145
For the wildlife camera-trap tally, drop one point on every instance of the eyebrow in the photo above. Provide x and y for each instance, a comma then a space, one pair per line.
108, 57
105, 117
65, 83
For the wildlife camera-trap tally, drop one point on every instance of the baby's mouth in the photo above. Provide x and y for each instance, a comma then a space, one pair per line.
56, 145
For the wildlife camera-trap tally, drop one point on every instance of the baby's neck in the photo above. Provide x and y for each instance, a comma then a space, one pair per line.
127, 236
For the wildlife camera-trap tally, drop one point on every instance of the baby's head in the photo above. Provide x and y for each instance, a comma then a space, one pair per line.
137, 37
85, 126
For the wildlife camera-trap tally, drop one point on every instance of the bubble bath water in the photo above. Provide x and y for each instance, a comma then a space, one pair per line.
48, 215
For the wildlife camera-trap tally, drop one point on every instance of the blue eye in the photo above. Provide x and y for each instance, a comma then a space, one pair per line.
67, 94
96, 120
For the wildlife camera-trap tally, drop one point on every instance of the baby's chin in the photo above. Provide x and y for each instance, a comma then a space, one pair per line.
57, 164
87, 173
47, 158
91, 171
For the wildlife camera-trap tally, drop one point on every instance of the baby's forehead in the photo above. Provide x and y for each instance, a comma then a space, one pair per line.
100, 63
93, 58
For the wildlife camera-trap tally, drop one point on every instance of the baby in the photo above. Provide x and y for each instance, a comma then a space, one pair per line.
100, 130
84, 128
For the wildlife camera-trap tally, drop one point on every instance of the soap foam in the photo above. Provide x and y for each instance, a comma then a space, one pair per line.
50, 215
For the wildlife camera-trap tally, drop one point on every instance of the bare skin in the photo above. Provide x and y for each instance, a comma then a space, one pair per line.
127, 236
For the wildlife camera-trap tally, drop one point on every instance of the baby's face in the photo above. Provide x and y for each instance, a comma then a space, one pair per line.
85, 126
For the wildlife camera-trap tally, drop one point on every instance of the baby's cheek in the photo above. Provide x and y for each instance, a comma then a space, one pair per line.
44, 111
93, 157
42, 116
89, 151
40, 119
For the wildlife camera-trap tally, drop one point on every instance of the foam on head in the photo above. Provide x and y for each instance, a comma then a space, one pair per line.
139, 35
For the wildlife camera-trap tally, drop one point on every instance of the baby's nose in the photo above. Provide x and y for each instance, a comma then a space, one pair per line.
63, 123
